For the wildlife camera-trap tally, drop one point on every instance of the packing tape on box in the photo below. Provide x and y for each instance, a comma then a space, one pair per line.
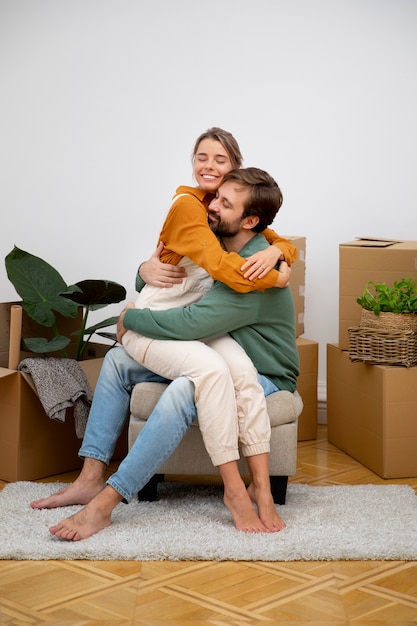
16, 312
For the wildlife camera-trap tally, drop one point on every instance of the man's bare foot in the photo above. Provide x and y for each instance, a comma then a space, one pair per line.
95, 516
88, 484
243, 513
74, 493
268, 515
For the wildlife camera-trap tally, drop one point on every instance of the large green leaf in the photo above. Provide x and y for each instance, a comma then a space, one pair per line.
39, 285
95, 294
42, 346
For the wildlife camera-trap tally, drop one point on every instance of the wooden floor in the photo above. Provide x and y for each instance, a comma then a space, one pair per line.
81, 593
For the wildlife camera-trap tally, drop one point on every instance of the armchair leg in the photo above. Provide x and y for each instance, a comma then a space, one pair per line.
149, 492
279, 488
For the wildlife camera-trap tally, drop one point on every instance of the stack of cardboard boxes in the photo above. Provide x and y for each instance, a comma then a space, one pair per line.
372, 409
33, 446
308, 349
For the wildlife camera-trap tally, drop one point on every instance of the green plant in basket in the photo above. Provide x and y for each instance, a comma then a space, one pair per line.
381, 298
44, 293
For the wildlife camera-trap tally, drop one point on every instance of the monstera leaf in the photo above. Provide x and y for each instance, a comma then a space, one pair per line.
44, 291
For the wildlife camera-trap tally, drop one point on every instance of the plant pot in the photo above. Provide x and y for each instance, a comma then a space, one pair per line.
389, 321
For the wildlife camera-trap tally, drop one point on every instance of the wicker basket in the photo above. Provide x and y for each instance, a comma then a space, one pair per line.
383, 347
389, 321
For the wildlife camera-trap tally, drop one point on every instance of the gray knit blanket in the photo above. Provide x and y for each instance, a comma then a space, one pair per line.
61, 383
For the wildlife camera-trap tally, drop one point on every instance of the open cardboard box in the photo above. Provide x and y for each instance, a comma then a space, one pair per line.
32, 445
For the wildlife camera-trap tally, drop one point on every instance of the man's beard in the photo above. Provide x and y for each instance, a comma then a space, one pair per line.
225, 230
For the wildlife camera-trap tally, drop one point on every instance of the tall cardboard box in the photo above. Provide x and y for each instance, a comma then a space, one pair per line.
372, 413
32, 445
362, 260
297, 282
308, 352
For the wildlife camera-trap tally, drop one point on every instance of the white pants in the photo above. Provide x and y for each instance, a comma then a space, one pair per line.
230, 402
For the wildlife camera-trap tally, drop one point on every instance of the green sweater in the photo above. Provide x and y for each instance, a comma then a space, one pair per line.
263, 323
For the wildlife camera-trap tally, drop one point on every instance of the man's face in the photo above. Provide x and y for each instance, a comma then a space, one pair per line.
226, 210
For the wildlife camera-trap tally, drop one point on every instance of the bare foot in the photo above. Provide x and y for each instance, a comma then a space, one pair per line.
262, 497
91, 519
73, 494
244, 515
88, 484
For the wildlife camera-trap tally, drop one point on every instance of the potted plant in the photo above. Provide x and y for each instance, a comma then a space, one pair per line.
393, 307
44, 293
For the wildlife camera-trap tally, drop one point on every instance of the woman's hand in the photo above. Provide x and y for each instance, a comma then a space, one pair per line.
259, 264
159, 274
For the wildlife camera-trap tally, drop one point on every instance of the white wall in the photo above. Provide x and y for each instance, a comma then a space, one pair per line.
101, 101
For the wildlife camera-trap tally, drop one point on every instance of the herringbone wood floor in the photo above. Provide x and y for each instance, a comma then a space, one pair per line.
87, 593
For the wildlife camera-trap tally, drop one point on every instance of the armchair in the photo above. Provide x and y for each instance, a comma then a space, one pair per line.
191, 458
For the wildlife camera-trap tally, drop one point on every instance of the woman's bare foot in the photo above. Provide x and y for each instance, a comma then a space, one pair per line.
88, 484
268, 515
91, 519
244, 515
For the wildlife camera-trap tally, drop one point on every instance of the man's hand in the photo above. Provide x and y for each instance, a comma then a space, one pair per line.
259, 264
158, 274
120, 330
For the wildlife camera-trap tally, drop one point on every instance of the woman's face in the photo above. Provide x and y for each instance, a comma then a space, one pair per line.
211, 163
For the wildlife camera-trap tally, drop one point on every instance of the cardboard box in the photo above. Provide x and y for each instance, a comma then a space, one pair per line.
297, 282
308, 351
32, 445
382, 261
372, 413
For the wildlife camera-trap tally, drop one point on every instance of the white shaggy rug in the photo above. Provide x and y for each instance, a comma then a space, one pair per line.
359, 522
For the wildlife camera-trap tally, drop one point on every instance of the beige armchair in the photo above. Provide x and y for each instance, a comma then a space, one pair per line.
191, 458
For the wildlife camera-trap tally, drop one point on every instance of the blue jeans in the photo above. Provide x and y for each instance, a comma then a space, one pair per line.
164, 429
